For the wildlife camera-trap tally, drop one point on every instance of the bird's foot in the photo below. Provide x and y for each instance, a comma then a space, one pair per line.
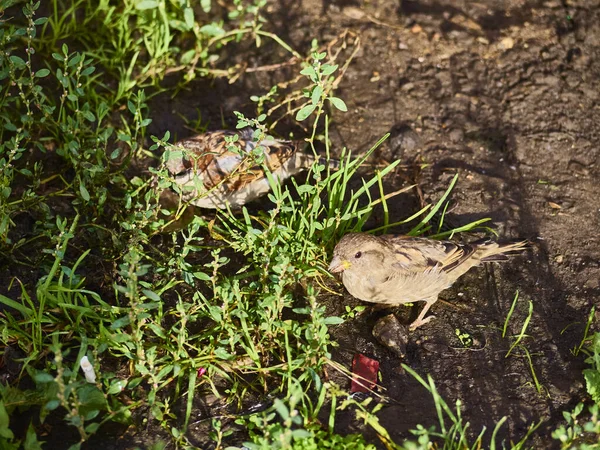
417, 323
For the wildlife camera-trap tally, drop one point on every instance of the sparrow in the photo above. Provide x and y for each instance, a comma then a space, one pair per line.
218, 169
395, 269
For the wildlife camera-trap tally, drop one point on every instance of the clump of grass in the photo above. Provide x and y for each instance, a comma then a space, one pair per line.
292, 425
582, 428
517, 339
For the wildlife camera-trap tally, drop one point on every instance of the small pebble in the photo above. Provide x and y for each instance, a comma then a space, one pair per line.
390, 333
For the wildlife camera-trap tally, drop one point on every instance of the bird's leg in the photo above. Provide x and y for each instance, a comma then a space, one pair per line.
420, 320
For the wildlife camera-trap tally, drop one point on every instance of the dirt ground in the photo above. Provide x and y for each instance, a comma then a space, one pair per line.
505, 94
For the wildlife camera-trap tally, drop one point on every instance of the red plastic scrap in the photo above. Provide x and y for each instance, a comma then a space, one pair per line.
364, 370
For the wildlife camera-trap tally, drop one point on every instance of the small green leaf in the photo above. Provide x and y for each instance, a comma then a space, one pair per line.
74, 60
43, 377
131, 107
134, 382
84, 193
328, 69
187, 57
205, 4
338, 103
305, 112
92, 427
157, 330
5, 430
215, 313
91, 401
151, 295
309, 72
52, 405
117, 386
333, 320
212, 29
31, 442
42, 73
17, 61
146, 4
88, 70
119, 323
188, 16
301, 434
221, 353
592, 378
316, 94
305, 189
281, 409
89, 115
202, 276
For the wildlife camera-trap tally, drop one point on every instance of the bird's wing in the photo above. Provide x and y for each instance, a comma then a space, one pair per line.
422, 254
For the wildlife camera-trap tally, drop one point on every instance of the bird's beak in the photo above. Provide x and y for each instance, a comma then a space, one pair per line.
338, 265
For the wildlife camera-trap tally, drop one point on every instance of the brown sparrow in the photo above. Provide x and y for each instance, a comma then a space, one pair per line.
395, 269
220, 168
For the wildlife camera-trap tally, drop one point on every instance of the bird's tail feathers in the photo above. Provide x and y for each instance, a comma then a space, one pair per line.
497, 252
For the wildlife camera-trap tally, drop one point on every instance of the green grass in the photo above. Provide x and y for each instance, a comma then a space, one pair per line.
581, 430
165, 316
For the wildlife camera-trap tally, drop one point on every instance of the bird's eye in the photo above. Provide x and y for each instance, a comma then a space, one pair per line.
358, 255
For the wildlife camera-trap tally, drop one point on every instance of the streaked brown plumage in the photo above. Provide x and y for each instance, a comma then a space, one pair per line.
395, 269
213, 176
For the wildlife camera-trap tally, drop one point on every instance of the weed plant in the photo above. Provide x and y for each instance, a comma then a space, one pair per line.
581, 430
